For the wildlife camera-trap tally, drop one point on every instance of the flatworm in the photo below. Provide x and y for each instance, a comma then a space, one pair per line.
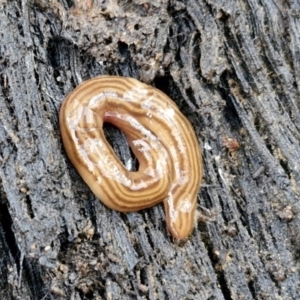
161, 138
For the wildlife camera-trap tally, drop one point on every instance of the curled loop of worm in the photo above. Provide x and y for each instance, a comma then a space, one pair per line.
162, 139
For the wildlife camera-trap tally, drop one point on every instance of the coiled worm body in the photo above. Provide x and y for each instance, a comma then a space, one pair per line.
162, 139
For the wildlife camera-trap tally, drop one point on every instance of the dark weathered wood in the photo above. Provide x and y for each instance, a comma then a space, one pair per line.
233, 68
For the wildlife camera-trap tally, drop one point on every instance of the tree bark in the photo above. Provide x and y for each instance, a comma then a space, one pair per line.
233, 68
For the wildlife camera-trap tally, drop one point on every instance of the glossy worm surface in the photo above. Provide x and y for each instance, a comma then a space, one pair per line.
162, 139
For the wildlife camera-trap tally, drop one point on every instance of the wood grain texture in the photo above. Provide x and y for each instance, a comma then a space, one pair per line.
236, 64
162, 139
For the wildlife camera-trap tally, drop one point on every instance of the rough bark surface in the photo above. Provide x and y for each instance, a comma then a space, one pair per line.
233, 68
